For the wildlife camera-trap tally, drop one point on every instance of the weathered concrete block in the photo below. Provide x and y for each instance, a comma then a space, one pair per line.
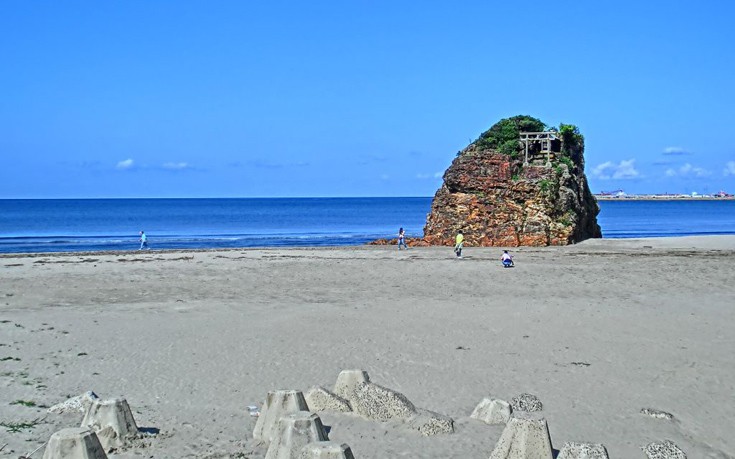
112, 421
349, 381
526, 402
320, 399
526, 436
663, 450
430, 423
326, 450
80, 403
74, 443
380, 403
572, 450
492, 411
295, 431
277, 403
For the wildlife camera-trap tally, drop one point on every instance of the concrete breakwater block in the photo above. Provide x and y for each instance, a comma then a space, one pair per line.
526, 402
349, 381
492, 411
74, 443
80, 403
295, 431
326, 450
379, 403
429, 423
112, 421
320, 399
278, 403
666, 449
524, 437
572, 450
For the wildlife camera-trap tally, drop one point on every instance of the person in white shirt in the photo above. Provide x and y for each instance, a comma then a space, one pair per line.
507, 259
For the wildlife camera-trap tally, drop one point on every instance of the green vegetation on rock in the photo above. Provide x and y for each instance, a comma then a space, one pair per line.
503, 135
572, 140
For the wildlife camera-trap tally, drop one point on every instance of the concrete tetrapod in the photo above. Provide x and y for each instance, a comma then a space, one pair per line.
294, 432
492, 411
277, 403
349, 381
320, 399
112, 421
572, 450
74, 443
524, 437
326, 450
379, 403
663, 450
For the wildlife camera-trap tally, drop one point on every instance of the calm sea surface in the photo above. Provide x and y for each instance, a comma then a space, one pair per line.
57, 225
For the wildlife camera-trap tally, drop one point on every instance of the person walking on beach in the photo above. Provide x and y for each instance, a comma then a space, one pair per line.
143, 241
402, 239
459, 242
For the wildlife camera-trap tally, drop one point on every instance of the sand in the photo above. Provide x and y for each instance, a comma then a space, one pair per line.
597, 331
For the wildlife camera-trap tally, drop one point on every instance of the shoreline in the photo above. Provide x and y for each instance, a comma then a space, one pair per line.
727, 241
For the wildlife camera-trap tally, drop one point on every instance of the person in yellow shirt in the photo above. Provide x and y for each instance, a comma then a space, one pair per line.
459, 242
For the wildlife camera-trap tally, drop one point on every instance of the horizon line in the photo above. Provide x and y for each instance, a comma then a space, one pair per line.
219, 197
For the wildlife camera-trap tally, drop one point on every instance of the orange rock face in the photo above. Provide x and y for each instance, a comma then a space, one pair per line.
498, 201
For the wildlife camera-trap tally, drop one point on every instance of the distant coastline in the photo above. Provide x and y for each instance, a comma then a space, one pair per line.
662, 197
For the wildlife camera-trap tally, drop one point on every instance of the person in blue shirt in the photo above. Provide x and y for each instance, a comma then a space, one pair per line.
143, 241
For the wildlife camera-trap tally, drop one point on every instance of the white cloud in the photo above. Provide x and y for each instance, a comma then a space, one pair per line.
438, 174
125, 164
729, 168
625, 170
676, 151
176, 166
688, 171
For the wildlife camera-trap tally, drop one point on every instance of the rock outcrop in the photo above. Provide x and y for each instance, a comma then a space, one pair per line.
496, 198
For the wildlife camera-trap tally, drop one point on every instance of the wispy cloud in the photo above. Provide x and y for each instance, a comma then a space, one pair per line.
625, 170
176, 166
729, 168
263, 164
385, 177
435, 175
125, 164
676, 151
688, 171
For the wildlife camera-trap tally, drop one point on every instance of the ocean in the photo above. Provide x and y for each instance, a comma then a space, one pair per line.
75, 225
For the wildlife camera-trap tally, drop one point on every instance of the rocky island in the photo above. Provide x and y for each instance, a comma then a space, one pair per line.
519, 184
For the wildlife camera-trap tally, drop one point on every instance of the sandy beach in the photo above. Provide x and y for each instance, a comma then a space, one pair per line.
597, 331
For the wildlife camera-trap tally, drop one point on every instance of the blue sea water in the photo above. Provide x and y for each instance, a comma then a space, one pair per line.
62, 225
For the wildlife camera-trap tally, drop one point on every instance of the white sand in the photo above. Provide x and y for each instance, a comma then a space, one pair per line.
597, 331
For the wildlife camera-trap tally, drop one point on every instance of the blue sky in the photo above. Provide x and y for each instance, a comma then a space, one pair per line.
237, 98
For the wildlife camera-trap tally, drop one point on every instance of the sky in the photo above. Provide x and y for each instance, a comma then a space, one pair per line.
358, 98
